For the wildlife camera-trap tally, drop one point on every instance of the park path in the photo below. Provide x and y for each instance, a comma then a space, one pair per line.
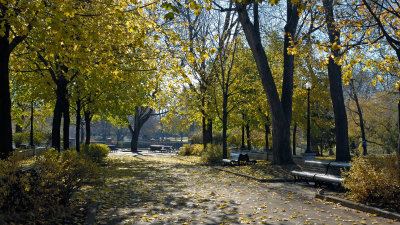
160, 189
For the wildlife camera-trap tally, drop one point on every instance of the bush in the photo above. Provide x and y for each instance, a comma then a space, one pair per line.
375, 180
195, 149
20, 138
43, 192
96, 152
196, 137
212, 154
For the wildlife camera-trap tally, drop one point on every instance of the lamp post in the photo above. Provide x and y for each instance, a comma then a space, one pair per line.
309, 155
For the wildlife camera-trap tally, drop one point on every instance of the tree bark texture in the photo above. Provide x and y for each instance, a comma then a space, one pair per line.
31, 131
294, 138
78, 125
242, 146
398, 121
248, 136
88, 119
207, 131
280, 111
61, 110
56, 127
335, 81
224, 131
5, 99
142, 114
267, 131
67, 122
360, 117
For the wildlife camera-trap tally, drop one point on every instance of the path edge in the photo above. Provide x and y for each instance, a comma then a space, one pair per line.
359, 206
343, 202
91, 215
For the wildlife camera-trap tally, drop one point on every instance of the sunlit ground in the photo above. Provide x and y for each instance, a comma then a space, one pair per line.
159, 189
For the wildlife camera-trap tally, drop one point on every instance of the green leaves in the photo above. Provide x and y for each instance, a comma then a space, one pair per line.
170, 7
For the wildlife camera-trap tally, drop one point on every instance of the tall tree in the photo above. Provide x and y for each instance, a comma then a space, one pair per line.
387, 17
226, 78
142, 114
281, 108
335, 80
17, 20
198, 52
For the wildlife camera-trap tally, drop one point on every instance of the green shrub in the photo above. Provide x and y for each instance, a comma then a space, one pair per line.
39, 137
96, 152
196, 137
20, 138
375, 180
43, 192
217, 137
235, 138
212, 154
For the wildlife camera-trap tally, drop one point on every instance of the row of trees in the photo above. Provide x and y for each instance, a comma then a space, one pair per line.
83, 58
124, 60
325, 42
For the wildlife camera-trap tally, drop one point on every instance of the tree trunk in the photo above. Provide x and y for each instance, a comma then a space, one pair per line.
242, 146
207, 131
78, 125
82, 133
141, 116
67, 122
224, 126
135, 138
280, 111
18, 128
5, 99
267, 131
335, 81
61, 109
31, 133
398, 144
204, 131
209, 139
360, 117
56, 127
88, 119
294, 138
248, 136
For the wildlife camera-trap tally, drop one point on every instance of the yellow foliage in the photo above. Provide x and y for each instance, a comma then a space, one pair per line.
194, 149
42, 191
375, 180
96, 152
212, 154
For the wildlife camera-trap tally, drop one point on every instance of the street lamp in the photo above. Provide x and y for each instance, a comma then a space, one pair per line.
308, 87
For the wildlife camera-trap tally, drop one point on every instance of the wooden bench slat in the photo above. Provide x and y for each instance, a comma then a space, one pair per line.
329, 177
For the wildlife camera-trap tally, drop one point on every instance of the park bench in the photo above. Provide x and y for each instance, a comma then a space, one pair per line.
167, 148
155, 148
331, 176
113, 148
238, 159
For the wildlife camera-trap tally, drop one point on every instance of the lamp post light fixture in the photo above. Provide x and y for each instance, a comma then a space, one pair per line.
309, 154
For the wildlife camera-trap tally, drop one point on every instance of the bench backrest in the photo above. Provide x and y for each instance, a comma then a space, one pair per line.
239, 157
333, 168
156, 147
